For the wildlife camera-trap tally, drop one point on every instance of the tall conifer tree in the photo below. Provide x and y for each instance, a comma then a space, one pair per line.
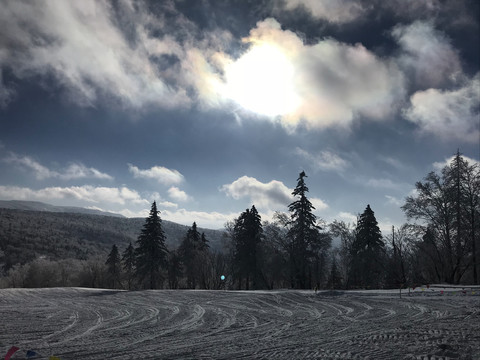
368, 252
128, 260
114, 265
188, 251
303, 233
248, 233
151, 252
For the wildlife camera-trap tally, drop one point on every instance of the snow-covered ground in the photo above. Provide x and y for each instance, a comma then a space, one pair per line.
74, 323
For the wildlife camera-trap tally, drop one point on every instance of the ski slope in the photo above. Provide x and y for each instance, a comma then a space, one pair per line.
75, 323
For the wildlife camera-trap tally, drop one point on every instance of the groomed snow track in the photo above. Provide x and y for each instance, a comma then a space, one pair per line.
74, 323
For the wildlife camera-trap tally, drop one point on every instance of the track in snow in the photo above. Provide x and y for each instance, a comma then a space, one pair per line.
75, 323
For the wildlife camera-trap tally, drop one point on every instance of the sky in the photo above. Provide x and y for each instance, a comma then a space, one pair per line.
209, 107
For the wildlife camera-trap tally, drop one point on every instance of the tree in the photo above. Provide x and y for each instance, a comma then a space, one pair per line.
347, 234
151, 252
367, 252
247, 236
402, 242
114, 266
276, 248
303, 234
174, 269
128, 260
188, 251
448, 205
334, 279
471, 207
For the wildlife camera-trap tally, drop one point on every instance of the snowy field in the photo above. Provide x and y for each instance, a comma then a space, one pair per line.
74, 323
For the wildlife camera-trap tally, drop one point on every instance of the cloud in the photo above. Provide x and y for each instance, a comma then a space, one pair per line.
448, 114
427, 55
267, 196
340, 11
85, 193
347, 217
318, 204
176, 194
134, 214
6, 93
41, 172
335, 83
80, 171
264, 195
131, 55
441, 164
210, 220
393, 200
71, 172
159, 173
383, 183
110, 63
325, 160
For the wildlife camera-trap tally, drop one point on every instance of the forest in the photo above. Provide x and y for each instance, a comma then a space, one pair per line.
438, 244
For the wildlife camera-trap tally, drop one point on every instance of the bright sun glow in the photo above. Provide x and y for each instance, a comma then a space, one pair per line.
262, 81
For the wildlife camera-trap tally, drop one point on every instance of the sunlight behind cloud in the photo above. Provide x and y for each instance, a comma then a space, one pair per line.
262, 81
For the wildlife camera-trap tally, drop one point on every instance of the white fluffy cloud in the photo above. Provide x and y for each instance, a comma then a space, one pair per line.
178, 195
273, 195
448, 114
324, 160
84, 193
263, 195
159, 173
71, 172
427, 55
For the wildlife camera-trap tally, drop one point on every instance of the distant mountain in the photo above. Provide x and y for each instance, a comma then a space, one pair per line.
40, 206
26, 234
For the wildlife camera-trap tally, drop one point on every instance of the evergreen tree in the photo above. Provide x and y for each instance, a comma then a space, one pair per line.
204, 262
334, 279
113, 266
247, 235
151, 252
368, 252
204, 243
128, 260
303, 234
174, 269
188, 251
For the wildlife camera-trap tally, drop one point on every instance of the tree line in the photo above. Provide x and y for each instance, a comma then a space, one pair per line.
439, 244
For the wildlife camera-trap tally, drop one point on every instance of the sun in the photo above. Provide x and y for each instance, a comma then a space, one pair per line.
262, 81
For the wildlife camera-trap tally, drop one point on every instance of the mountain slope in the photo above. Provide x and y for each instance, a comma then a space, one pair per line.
25, 235
40, 206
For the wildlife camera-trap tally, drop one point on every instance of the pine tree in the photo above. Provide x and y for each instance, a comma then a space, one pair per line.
303, 233
128, 260
368, 252
114, 265
204, 243
334, 279
188, 251
247, 235
174, 269
151, 252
